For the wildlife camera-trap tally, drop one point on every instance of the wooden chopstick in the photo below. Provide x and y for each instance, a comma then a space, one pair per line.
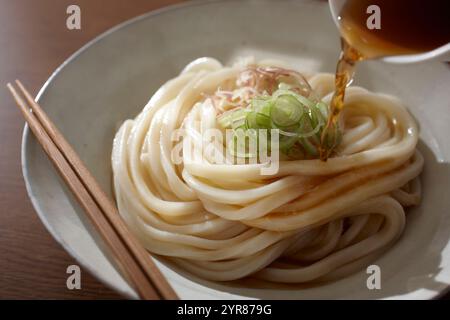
132, 258
102, 200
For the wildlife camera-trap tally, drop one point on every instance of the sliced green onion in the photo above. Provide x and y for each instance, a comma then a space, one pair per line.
259, 102
288, 134
285, 143
299, 120
238, 119
286, 111
262, 105
256, 120
323, 108
302, 99
306, 125
224, 119
232, 119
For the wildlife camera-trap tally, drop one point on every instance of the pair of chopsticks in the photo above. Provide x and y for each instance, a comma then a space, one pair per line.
131, 258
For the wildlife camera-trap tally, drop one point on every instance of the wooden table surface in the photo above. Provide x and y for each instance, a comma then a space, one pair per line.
34, 41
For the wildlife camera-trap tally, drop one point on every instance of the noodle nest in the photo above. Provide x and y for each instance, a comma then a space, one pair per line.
310, 221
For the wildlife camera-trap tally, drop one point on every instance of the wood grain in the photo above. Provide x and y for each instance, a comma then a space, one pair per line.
34, 41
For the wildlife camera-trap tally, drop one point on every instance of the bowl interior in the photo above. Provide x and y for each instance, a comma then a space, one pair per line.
112, 78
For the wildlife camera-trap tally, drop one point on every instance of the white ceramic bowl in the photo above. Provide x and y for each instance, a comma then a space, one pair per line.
112, 77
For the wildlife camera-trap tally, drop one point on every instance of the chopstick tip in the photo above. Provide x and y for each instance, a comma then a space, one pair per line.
10, 87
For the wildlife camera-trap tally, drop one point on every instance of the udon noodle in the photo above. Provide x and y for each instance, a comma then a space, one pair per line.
310, 221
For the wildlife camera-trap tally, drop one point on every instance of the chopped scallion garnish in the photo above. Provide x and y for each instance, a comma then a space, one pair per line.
298, 119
